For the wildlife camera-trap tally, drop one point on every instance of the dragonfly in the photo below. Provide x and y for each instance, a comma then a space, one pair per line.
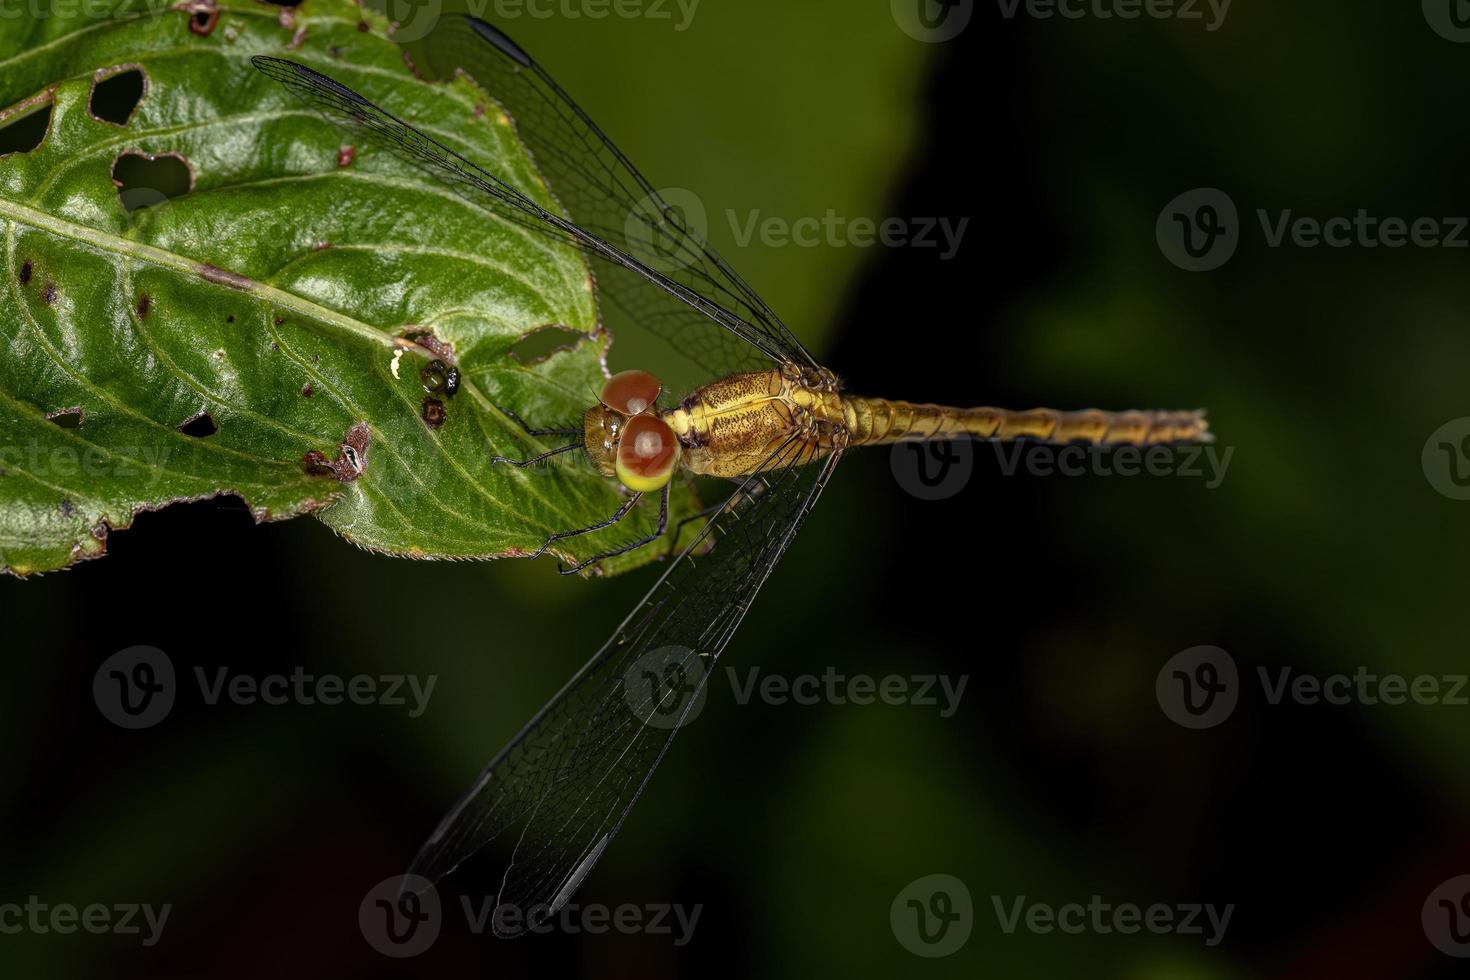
771, 424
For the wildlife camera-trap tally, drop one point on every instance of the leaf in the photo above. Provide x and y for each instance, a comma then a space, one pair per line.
210, 294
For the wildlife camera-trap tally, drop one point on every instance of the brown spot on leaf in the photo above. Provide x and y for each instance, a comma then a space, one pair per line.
48, 293
145, 303
362, 26
434, 414
306, 391
222, 277
203, 15
346, 153
351, 459
230, 318
67, 509
430, 343
280, 320
25, 273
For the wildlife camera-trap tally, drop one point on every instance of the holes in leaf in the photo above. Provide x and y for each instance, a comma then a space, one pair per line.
24, 127
67, 418
114, 97
542, 342
145, 181
201, 426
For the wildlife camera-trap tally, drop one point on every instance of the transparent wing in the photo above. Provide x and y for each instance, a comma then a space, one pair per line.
605, 193
569, 778
651, 268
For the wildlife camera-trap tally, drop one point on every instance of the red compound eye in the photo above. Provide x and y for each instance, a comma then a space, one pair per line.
630, 392
647, 453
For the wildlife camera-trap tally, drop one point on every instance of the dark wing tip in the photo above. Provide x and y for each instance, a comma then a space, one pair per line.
496, 37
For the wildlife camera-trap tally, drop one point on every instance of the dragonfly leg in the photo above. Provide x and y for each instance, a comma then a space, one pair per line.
663, 525
752, 492
622, 512
574, 430
523, 463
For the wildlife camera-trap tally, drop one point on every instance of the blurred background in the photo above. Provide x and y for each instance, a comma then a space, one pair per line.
1327, 547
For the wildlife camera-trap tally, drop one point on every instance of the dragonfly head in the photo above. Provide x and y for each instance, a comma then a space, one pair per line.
625, 437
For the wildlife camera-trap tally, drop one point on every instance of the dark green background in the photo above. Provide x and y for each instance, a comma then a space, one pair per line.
1325, 549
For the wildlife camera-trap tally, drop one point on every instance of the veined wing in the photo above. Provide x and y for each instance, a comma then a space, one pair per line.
655, 271
569, 778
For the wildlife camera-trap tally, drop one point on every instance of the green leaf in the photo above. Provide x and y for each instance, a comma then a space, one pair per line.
253, 270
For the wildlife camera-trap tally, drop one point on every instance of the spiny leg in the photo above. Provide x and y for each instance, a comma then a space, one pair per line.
523, 463
536, 433
749, 493
622, 512
663, 525
569, 431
